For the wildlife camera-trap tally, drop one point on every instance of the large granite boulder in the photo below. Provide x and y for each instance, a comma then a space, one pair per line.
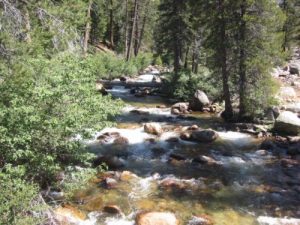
199, 101
287, 123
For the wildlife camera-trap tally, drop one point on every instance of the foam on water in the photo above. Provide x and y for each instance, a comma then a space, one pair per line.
142, 188
145, 78
156, 111
265, 220
118, 221
134, 136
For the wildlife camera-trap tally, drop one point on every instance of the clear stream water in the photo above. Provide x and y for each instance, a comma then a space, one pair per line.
244, 187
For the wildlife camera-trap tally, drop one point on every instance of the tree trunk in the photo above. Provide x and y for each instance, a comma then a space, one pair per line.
186, 58
177, 46
126, 27
27, 25
228, 114
111, 24
197, 45
143, 26
285, 10
137, 34
87, 29
132, 30
242, 63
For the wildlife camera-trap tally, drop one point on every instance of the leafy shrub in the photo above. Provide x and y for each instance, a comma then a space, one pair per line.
44, 104
109, 66
17, 198
187, 83
77, 178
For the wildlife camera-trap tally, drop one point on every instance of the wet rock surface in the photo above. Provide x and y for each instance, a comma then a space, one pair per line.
156, 218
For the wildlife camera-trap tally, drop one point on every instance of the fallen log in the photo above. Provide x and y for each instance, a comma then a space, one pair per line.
129, 84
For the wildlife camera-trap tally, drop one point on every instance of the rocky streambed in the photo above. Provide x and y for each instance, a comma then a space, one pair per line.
168, 169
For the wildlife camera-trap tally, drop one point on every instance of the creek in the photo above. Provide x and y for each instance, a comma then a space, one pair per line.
239, 186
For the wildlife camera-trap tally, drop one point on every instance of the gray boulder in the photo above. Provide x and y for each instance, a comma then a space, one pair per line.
204, 136
295, 68
199, 101
287, 123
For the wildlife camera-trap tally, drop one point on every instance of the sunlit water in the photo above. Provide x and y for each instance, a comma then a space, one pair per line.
243, 187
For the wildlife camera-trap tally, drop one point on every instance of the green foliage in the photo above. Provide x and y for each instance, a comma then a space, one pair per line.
44, 104
184, 88
158, 61
110, 66
17, 198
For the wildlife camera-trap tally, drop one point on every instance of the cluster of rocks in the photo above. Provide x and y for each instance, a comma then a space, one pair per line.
199, 135
112, 137
199, 102
291, 71
155, 69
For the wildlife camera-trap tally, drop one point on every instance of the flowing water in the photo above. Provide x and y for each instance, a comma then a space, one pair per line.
243, 186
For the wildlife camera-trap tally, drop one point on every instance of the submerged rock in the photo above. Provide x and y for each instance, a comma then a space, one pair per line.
69, 215
127, 175
108, 136
173, 140
93, 203
201, 220
287, 123
110, 183
112, 162
121, 141
139, 112
156, 218
205, 160
112, 209
199, 101
177, 157
153, 128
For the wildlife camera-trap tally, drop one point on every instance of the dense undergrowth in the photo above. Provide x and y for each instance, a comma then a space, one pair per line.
45, 103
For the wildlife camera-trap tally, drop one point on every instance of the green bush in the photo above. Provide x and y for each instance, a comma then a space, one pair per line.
17, 198
187, 83
109, 66
44, 104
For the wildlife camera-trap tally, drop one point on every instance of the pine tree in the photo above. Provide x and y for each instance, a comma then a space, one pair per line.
259, 43
291, 27
174, 31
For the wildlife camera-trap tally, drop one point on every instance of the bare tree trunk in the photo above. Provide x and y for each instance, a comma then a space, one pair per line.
111, 24
143, 27
126, 27
137, 32
228, 114
284, 45
132, 30
242, 64
197, 46
176, 46
27, 25
87, 29
186, 58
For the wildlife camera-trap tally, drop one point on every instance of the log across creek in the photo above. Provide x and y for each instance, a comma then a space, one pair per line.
129, 84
